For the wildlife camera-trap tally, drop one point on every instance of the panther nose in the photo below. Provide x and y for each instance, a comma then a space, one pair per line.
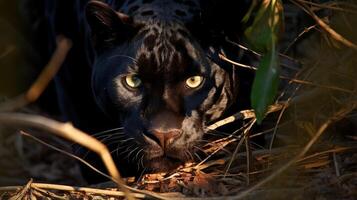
167, 137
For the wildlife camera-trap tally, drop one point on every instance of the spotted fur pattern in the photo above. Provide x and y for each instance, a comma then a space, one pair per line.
157, 41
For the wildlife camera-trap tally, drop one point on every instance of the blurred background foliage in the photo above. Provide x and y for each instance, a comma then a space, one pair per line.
22, 159
16, 55
262, 36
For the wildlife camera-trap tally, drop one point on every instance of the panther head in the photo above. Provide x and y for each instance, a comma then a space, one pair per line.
154, 78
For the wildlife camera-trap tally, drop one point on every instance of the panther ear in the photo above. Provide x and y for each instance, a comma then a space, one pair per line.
108, 27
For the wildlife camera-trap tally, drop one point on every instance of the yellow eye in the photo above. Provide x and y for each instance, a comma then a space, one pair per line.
132, 81
194, 81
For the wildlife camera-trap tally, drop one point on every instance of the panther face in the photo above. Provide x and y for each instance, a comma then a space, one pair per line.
152, 76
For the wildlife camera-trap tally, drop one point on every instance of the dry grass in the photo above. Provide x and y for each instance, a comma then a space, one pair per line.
311, 132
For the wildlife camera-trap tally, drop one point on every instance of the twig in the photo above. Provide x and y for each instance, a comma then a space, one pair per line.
243, 47
320, 131
293, 80
22, 193
336, 150
245, 134
68, 154
244, 114
73, 189
331, 7
221, 56
285, 107
48, 194
324, 26
259, 55
214, 152
306, 30
41, 83
67, 131
249, 156
336, 165
148, 194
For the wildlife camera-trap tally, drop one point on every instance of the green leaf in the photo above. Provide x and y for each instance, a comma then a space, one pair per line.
265, 85
249, 12
266, 26
262, 36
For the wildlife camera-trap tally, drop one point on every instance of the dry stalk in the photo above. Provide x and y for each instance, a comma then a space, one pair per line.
288, 101
66, 153
333, 151
244, 114
221, 56
67, 131
336, 164
245, 135
336, 36
338, 115
41, 83
293, 80
281, 55
336, 7
148, 194
306, 30
214, 152
22, 192
72, 189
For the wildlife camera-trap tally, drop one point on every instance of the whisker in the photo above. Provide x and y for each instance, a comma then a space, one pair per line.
126, 140
103, 140
137, 154
119, 148
136, 158
116, 134
118, 142
128, 156
199, 158
188, 154
198, 148
128, 149
142, 161
108, 141
113, 141
141, 174
107, 131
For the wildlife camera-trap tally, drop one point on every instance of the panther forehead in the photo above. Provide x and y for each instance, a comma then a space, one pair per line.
168, 48
165, 42
168, 10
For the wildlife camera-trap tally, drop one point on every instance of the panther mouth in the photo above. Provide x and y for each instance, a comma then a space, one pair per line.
162, 159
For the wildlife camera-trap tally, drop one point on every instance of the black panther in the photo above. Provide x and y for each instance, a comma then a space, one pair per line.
146, 71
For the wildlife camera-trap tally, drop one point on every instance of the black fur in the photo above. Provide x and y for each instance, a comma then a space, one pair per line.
163, 42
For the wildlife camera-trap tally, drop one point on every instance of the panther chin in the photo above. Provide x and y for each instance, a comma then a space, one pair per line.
163, 164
